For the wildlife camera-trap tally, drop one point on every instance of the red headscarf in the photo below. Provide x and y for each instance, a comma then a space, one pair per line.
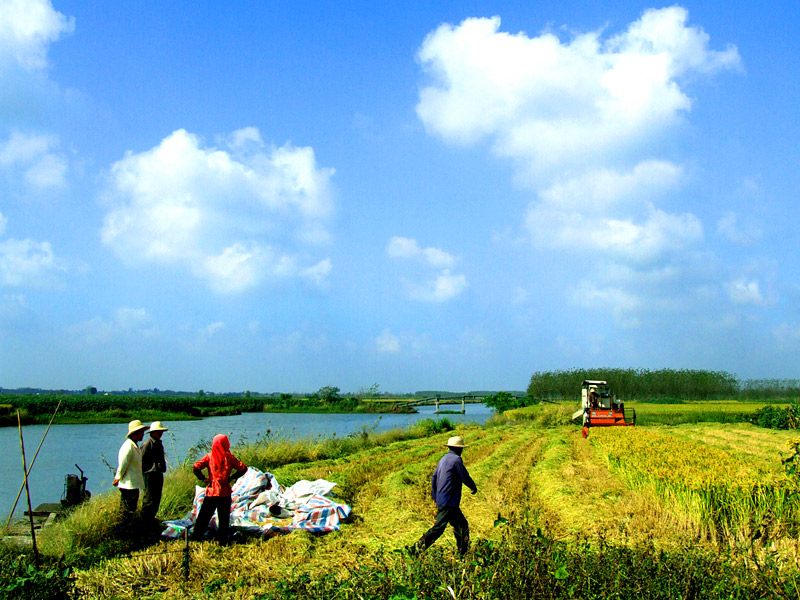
220, 463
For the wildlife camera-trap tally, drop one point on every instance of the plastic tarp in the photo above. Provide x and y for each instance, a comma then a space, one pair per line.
261, 505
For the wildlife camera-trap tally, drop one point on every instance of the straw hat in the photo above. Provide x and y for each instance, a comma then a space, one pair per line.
157, 426
135, 426
456, 442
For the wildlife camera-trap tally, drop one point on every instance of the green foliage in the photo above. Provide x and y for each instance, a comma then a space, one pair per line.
502, 401
329, 393
528, 564
640, 384
20, 579
775, 417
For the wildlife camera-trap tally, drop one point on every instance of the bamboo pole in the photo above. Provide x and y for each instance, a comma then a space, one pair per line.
28, 472
28, 492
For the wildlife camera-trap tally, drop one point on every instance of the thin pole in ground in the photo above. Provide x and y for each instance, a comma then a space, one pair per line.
27, 472
28, 492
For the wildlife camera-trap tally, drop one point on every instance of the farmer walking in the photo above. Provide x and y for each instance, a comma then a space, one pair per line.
446, 484
154, 465
128, 478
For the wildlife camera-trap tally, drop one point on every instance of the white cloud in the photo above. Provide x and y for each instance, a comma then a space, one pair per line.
387, 343
236, 221
744, 291
445, 287
246, 137
729, 227
318, 273
549, 104
27, 27
583, 121
35, 156
401, 247
28, 263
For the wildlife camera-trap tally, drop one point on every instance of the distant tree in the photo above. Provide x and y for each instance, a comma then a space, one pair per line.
91, 390
502, 401
372, 391
201, 393
329, 393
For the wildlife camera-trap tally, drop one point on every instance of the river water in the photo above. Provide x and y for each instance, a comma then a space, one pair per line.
86, 445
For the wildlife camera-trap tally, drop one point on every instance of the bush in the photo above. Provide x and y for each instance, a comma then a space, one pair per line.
774, 417
20, 579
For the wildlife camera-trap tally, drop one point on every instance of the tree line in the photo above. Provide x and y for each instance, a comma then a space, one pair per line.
660, 384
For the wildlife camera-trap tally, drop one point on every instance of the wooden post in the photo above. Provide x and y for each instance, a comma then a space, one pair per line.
463, 405
186, 555
28, 492
437, 406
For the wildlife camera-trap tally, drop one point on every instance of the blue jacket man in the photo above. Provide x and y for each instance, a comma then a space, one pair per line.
449, 476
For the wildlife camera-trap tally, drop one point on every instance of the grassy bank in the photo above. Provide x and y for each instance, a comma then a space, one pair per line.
556, 516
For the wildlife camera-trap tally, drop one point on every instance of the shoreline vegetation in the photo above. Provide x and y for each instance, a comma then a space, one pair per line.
557, 516
82, 409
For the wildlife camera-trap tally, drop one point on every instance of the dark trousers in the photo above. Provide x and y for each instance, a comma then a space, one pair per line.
153, 484
128, 501
453, 516
222, 504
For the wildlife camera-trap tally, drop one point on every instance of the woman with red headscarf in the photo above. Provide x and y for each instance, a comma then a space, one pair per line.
219, 463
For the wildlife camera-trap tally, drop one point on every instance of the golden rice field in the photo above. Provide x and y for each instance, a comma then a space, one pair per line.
705, 483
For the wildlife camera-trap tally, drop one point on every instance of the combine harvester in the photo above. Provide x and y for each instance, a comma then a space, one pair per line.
599, 408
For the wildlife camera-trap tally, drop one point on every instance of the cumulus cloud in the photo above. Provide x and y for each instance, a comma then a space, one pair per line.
583, 121
401, 247
444, 287
29, 264
27, 27
746, 291
37, 156
440, 289
548, 103
236, 217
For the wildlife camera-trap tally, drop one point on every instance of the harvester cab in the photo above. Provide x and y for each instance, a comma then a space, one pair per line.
600, 408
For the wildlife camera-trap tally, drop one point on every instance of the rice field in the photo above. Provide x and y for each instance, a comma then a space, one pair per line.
719, 485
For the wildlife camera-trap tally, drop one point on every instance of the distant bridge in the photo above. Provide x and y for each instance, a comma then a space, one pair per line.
436, 401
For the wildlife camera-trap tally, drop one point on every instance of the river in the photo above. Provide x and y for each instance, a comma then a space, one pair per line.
86, 445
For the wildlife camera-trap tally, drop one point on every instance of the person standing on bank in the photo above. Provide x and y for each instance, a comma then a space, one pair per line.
154, 465
129, 479
219, 463
449, 476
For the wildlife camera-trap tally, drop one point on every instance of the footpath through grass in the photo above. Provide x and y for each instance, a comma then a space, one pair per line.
556, 516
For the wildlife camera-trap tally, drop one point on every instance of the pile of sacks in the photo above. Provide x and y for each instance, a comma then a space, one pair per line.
261, 505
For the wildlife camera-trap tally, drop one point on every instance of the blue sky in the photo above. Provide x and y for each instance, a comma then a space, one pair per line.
282, 196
